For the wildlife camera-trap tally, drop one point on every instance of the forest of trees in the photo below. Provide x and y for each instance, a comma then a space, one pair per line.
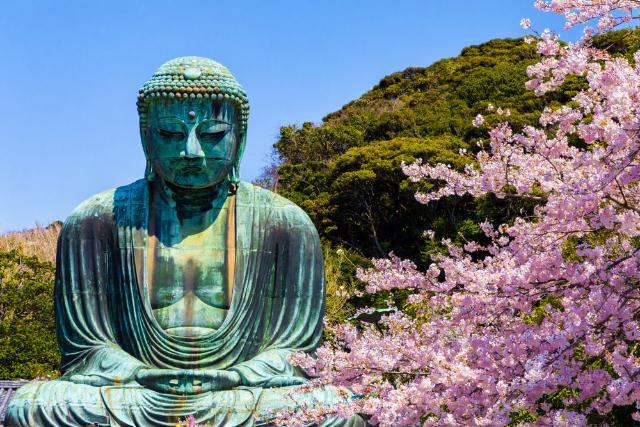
345, 172
28, 345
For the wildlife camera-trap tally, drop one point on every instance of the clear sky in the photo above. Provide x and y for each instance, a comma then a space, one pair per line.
70, 71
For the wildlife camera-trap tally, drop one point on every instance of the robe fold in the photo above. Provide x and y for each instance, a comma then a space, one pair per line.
107, 330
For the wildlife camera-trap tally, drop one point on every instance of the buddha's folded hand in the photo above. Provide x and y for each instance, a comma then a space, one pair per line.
284, 381
98, 380
187, 381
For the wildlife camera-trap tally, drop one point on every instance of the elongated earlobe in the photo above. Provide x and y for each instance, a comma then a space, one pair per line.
234, 179
234, 175
148, 173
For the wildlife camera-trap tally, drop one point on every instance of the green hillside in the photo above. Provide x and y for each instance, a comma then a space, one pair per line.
345, 172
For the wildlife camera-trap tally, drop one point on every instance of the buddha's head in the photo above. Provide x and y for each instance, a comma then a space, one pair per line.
193, 123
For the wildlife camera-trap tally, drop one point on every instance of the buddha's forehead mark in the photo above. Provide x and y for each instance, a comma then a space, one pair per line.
179, 120
224, 112
183, 108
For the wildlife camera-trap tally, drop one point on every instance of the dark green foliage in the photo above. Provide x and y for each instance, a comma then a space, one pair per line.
346, 172
358, 198
620, 43
28, 346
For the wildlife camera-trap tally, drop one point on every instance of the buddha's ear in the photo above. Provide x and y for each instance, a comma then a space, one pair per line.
148, 172
144, 131
234, 175
143, 139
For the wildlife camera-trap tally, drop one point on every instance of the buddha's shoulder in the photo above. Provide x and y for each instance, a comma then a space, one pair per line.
101, 206
260, 197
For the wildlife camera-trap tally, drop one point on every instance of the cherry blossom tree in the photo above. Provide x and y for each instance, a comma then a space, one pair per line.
539, 324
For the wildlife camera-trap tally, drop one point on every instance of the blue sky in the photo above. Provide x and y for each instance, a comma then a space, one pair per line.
70, 71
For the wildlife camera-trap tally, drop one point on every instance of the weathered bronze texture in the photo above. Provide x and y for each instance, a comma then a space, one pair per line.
183, 293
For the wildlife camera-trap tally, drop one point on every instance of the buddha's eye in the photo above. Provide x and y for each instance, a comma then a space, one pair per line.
213, 132
171, 133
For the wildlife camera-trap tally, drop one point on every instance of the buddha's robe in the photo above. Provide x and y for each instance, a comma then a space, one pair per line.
106, 328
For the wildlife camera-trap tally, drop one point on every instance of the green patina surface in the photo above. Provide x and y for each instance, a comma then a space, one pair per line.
183, 293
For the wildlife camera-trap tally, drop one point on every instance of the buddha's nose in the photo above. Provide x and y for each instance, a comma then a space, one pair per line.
192, 149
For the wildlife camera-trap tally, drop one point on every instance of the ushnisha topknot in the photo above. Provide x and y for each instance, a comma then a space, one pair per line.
193, 77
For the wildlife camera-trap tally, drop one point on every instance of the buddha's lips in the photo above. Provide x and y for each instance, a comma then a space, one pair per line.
194, 161
196, 166
192, 169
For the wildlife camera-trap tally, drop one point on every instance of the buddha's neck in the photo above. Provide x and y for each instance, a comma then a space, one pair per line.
191, 204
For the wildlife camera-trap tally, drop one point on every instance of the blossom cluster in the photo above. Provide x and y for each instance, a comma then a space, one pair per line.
608, 13
542, 322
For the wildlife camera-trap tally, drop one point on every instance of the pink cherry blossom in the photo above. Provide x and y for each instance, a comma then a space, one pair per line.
478, 121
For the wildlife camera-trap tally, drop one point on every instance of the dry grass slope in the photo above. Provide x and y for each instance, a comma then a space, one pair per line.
38, 241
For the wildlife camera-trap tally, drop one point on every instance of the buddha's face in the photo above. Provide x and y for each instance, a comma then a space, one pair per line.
192, 144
